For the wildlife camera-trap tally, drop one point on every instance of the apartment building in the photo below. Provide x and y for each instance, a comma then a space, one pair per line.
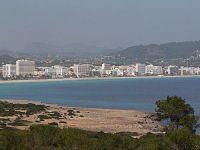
25, 67
9, 70
82, 70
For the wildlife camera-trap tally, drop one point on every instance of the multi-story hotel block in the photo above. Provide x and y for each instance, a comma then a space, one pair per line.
9, 70
25, 67
140, 69
81, 70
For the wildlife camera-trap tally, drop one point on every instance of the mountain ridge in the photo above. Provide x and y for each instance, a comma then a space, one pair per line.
170, 50
43, 50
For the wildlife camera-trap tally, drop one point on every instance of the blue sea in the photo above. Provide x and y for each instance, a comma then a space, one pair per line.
126, 93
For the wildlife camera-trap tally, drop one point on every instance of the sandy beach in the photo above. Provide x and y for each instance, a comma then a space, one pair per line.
92, 119
92, 78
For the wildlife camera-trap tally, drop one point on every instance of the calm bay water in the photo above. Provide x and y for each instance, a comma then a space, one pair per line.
137, 93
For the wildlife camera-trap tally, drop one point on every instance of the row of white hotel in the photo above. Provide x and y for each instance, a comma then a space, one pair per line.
27, 68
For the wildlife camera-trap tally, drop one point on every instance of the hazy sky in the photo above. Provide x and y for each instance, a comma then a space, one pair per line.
105, 23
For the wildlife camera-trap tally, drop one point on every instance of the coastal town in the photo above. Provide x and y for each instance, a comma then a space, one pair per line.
26, 69
99, 75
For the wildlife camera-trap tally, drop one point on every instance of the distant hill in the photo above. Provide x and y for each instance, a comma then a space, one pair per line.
9, 52
38, 49
6, 59
168, 50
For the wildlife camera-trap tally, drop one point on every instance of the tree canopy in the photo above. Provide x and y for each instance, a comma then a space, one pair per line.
175, 112
48, 137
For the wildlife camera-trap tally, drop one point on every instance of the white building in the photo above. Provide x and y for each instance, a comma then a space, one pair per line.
173, 70
117, 72
40, 71
105, 69
189, 71
49, 71
9, 70
106, 66
65, 71
153, 70
56, 71
82, 70
131, 70
25, 67
158, 70
140, 69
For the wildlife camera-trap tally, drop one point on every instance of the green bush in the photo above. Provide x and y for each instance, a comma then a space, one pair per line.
43, 117
53, 123
19, 122
46, 137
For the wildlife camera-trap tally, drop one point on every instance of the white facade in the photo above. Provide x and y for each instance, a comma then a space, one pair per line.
49, 71
173, 70
158, 70
58, 70
9, 70
131, 71
65, 71
82, 70
189, 71
54, 71
140, 69
117, 72
106, 67
154, 70
25, 67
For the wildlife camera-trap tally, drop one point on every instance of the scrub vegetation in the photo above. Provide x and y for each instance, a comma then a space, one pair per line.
180, 134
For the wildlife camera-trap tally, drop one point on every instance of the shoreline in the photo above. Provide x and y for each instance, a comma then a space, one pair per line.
39, 102
93, 119
93, 78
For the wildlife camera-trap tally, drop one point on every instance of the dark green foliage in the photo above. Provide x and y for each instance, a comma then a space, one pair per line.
129, 133
177, 113
55, 115
154, 142
50, 115
4, 119
11, 139
46, 137
178, 139
10, 109
2, 124
71, 112
182, 138
33, 108
19, 122
62, 122
43, 117
49, 137
53, 123
40, 137
7, 112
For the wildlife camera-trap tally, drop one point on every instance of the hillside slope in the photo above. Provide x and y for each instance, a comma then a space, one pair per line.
168, 50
